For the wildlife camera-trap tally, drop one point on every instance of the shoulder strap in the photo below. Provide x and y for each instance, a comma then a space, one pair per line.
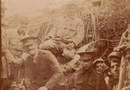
75, 79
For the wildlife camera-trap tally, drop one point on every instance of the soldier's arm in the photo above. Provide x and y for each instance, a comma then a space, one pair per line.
70, 84
11, 59
53, 31
55, 68
80, 34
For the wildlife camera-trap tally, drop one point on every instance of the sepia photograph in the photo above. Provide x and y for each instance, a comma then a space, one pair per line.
65, 45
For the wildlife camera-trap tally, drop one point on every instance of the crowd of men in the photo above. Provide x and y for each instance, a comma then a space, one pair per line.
29, 66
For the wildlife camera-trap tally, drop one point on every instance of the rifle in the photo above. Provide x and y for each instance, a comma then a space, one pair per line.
124, 78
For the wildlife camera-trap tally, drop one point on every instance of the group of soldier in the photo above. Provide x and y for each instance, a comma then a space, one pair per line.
29, 66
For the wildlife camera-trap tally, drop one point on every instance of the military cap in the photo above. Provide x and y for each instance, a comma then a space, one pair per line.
73, 2
114, 57
86, 54
98, 61
28, 40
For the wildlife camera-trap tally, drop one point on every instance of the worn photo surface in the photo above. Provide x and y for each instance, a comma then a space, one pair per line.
65, 45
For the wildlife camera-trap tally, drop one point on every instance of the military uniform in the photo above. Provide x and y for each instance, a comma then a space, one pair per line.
113, 81
98, 65
12, 60
86, 78
45, 72
87, 81
68, 30
14, 37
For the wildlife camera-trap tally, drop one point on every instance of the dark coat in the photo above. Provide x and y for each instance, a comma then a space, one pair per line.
45, 72
90, 81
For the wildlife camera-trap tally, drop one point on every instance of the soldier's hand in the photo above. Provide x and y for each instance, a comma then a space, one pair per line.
18, 61
43, 88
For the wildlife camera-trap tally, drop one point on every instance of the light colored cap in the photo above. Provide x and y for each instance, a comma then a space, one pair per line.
114, 57
27, 40
72, 2
98, 61
86, 54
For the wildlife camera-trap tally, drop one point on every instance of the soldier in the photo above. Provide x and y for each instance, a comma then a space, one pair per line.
42, 71
67, 32
13, 37
12, 65
16, 34
86, 78
114, 68
11, 52
13, 48
98, 65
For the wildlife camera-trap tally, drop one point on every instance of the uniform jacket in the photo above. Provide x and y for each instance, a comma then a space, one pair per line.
70, 29
91, 81
45, 72
112, 83
7, 61
13, 36
11, 65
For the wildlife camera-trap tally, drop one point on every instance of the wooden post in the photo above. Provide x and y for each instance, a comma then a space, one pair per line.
124, 68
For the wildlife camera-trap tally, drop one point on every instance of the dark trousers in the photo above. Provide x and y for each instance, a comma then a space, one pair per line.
5, 83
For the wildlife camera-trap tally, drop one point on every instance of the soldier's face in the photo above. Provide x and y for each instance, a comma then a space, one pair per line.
87, 63
99, 67
115, 69
71, 10
31, 49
